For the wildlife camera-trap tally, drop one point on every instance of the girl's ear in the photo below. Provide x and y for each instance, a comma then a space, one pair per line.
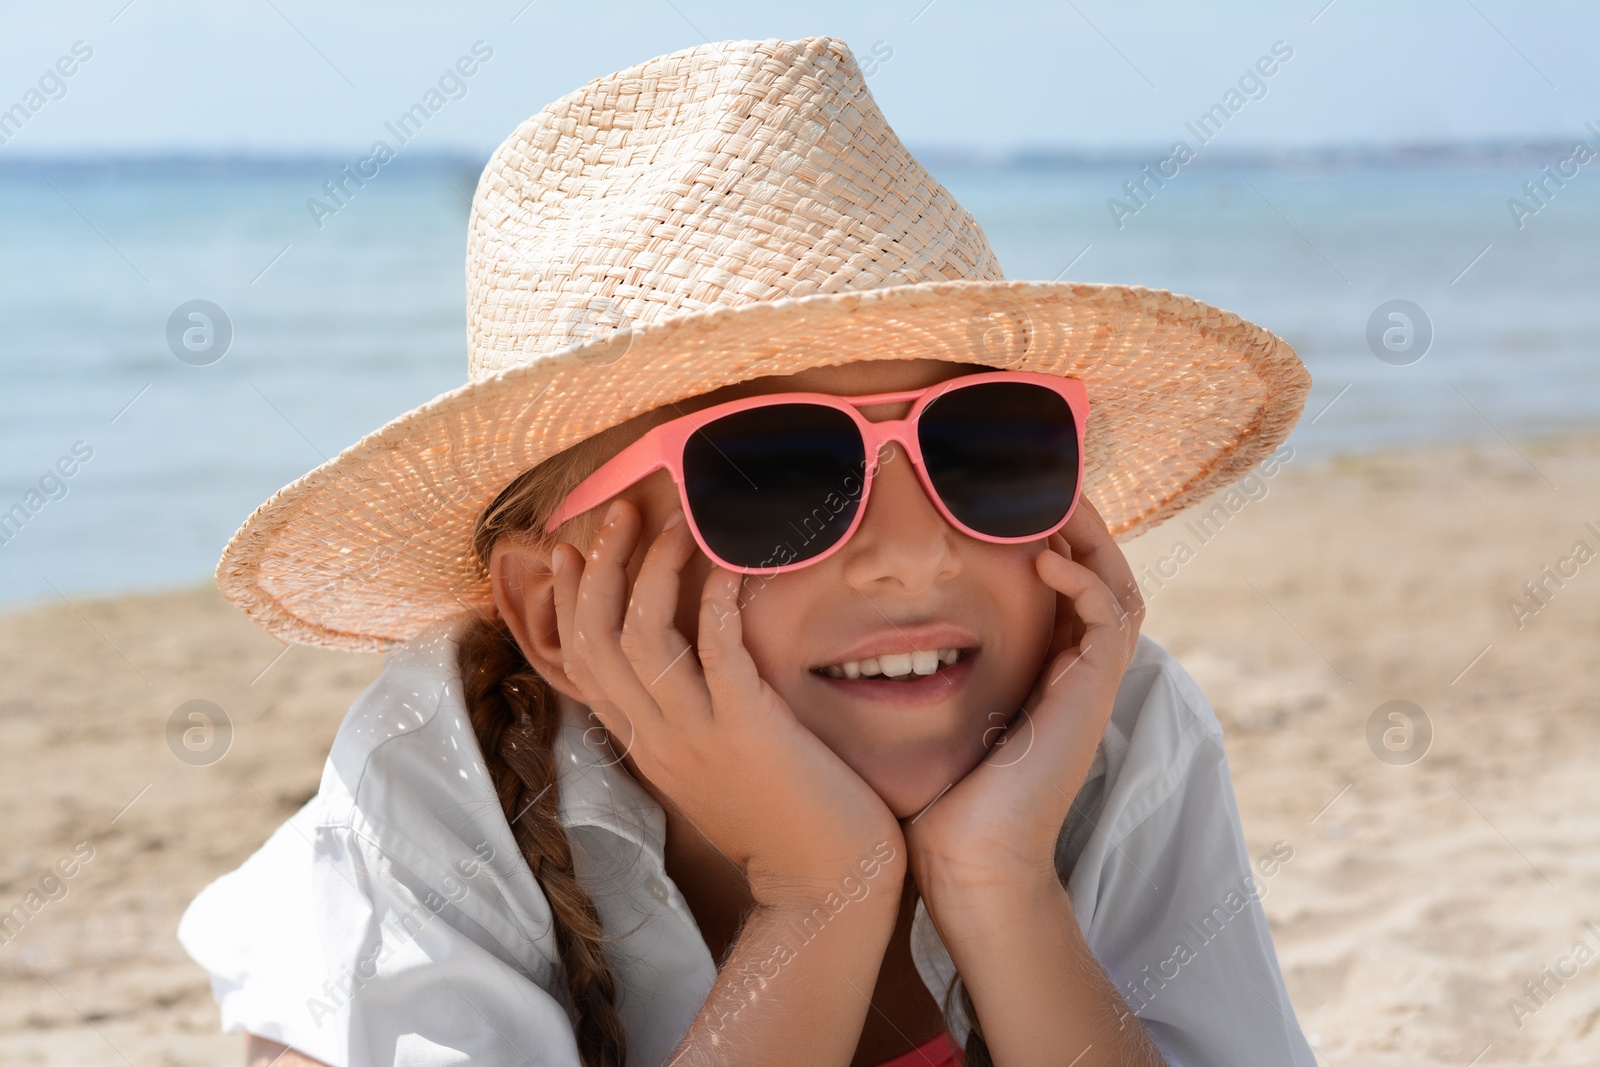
524, 596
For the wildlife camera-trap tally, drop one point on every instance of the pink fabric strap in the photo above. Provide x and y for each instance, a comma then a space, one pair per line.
938, 1052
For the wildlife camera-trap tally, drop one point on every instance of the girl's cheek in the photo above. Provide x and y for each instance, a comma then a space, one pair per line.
766, 638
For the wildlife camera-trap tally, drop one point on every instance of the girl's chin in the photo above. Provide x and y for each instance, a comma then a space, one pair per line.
910, 773
910, 787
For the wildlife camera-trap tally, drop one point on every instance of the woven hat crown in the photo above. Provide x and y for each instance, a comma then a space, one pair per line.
735, 172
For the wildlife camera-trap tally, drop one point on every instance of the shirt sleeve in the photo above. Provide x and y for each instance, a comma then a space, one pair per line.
253, 931
326, 944
1179, 926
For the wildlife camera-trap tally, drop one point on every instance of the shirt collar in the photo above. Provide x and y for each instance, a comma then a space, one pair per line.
596, 789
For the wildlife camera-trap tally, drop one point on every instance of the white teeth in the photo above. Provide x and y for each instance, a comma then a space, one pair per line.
895, 664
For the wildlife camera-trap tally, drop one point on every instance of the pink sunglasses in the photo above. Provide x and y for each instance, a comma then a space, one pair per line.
779, 481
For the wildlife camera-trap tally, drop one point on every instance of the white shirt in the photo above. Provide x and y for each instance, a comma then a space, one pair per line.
392, 919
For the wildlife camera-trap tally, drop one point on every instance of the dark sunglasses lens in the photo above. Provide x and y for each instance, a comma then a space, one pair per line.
774, 485
1003, 456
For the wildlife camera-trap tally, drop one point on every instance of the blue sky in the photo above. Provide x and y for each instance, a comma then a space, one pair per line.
291, 76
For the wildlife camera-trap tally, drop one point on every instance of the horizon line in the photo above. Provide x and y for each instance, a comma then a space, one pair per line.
1441, 151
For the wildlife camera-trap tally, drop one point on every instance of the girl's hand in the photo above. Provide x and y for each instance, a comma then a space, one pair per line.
1000, 823
702, 725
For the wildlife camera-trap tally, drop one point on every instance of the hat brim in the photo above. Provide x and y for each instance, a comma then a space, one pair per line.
368, 549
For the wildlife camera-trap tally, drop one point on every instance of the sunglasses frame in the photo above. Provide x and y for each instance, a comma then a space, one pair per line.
663, 447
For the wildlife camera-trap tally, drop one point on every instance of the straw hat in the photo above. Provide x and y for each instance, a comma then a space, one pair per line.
722, 213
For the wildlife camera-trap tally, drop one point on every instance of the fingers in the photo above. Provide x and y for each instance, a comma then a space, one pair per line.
730, 673
1094, 547
658, 653
566, 567
566, 572
591, 593
1068, 629
1100, 612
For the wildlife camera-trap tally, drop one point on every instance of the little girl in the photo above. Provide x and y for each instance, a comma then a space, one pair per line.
764, 686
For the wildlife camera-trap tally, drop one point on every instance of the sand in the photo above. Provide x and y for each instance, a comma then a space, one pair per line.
1420, 893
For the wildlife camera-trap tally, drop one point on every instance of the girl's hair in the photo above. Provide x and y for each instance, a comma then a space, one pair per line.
515, 715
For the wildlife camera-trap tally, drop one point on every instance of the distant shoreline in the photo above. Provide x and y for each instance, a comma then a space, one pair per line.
1041, 157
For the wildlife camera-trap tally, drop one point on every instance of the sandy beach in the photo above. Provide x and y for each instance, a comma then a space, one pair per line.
1444, 852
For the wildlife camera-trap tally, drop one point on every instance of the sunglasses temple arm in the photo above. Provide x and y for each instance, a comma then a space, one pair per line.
627, 467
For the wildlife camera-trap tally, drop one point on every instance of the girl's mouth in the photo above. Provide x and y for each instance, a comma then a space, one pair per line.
916, 677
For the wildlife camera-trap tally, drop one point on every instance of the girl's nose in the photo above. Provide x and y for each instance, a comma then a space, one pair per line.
902, 539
